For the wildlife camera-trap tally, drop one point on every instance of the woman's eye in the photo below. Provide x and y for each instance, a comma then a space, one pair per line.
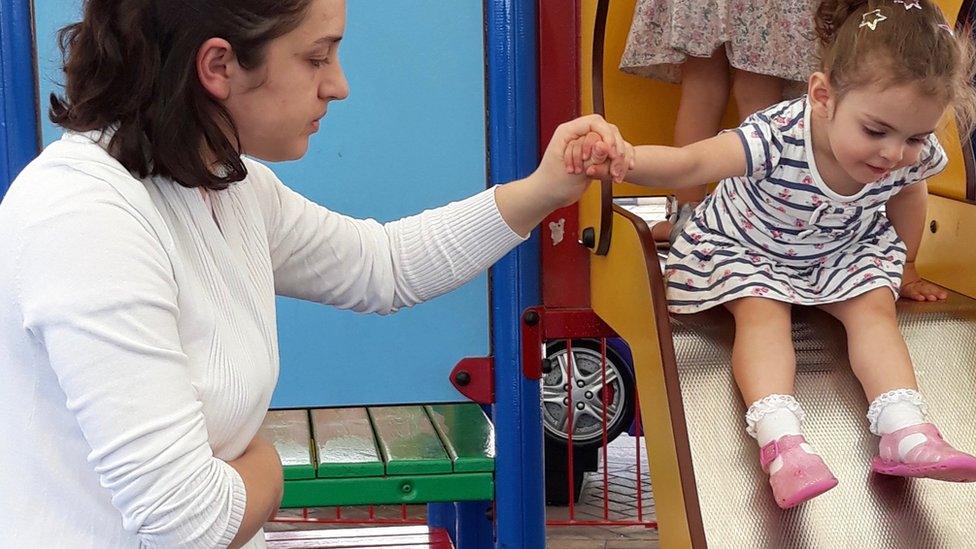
873, 133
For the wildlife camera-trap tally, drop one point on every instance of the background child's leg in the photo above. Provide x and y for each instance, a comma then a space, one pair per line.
754, 92
704, 95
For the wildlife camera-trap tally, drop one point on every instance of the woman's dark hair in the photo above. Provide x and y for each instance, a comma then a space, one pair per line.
131, 65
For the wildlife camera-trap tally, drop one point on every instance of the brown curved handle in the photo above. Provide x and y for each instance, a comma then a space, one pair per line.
599, 107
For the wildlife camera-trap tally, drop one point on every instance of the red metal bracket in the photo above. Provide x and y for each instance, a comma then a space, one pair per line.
540, 324
532, 341
474, 377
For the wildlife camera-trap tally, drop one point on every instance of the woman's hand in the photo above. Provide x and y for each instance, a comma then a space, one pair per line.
916, 289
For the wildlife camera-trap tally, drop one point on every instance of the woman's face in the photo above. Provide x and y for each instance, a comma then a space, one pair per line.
277, 106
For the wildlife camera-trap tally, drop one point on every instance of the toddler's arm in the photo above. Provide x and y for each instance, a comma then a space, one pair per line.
906, 210
700, 163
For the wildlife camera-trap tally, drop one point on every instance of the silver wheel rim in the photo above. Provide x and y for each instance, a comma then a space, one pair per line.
586, 395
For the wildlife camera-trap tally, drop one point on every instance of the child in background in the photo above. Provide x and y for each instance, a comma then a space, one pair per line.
822, 202
695, 43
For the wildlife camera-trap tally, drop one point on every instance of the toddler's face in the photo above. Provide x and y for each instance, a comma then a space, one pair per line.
874, 131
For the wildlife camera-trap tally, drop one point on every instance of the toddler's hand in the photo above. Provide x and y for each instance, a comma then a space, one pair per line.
590, 155
916, 289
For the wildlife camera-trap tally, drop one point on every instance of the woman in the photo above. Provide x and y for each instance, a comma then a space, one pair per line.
142, 253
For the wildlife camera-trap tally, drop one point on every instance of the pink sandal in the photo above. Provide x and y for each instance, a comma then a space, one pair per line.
932, 458
799, 475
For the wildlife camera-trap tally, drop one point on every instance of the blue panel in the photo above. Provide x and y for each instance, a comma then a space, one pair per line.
49, 16
411, 136
513, 142
18, 122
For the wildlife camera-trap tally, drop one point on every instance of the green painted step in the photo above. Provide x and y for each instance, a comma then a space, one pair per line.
467, 434
345, 444
384, 455
288, 431
329, 492
408, 441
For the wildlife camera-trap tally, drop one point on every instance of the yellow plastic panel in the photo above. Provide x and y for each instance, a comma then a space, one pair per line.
948, 256
621, 296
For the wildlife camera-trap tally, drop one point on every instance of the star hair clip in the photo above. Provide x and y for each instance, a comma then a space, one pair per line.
948, 29
871, 19
909, 4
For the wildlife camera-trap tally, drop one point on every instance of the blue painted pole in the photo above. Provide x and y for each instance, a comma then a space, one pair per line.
513, 135
443, 515
19, 141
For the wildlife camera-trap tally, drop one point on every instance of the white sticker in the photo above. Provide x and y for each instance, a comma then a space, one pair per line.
556, 231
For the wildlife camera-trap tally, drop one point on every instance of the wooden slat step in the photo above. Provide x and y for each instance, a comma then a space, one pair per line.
467, 435
362, 538
289, 432
345, 444
408, 441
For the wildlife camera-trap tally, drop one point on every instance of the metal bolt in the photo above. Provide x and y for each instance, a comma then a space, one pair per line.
462, 378
589, 394
531, 318
580, 405
934, 226
580, 383
406, 488
565, 402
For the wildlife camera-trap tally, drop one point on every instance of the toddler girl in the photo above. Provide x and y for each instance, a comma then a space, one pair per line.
822, 202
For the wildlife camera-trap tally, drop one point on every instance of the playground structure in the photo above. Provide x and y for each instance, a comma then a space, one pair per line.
600, 277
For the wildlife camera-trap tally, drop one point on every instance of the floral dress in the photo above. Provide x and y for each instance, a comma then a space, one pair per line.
780, 232
773, 37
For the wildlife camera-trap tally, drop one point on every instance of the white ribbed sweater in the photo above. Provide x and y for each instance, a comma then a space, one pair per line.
138, 336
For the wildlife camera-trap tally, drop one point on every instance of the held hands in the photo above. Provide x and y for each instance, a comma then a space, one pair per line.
594, 134
524, 203
590, 155
916, 289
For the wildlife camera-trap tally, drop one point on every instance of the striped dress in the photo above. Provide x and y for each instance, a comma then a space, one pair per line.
779, 232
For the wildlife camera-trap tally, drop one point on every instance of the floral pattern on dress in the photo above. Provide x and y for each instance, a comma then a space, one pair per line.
773, 37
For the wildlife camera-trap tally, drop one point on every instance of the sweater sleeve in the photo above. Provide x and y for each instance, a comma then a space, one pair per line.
98, 295
366, 266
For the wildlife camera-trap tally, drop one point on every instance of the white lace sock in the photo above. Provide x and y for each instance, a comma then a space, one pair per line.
896, 410
773, 417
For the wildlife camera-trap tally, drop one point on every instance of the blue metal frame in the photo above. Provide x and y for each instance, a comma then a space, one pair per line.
513, 136
19, 141
519, 507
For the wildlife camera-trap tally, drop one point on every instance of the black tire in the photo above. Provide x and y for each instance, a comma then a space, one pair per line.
587, 355
557, 467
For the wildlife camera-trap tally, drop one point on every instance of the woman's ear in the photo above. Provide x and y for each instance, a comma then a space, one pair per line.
216, 65
821, 95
